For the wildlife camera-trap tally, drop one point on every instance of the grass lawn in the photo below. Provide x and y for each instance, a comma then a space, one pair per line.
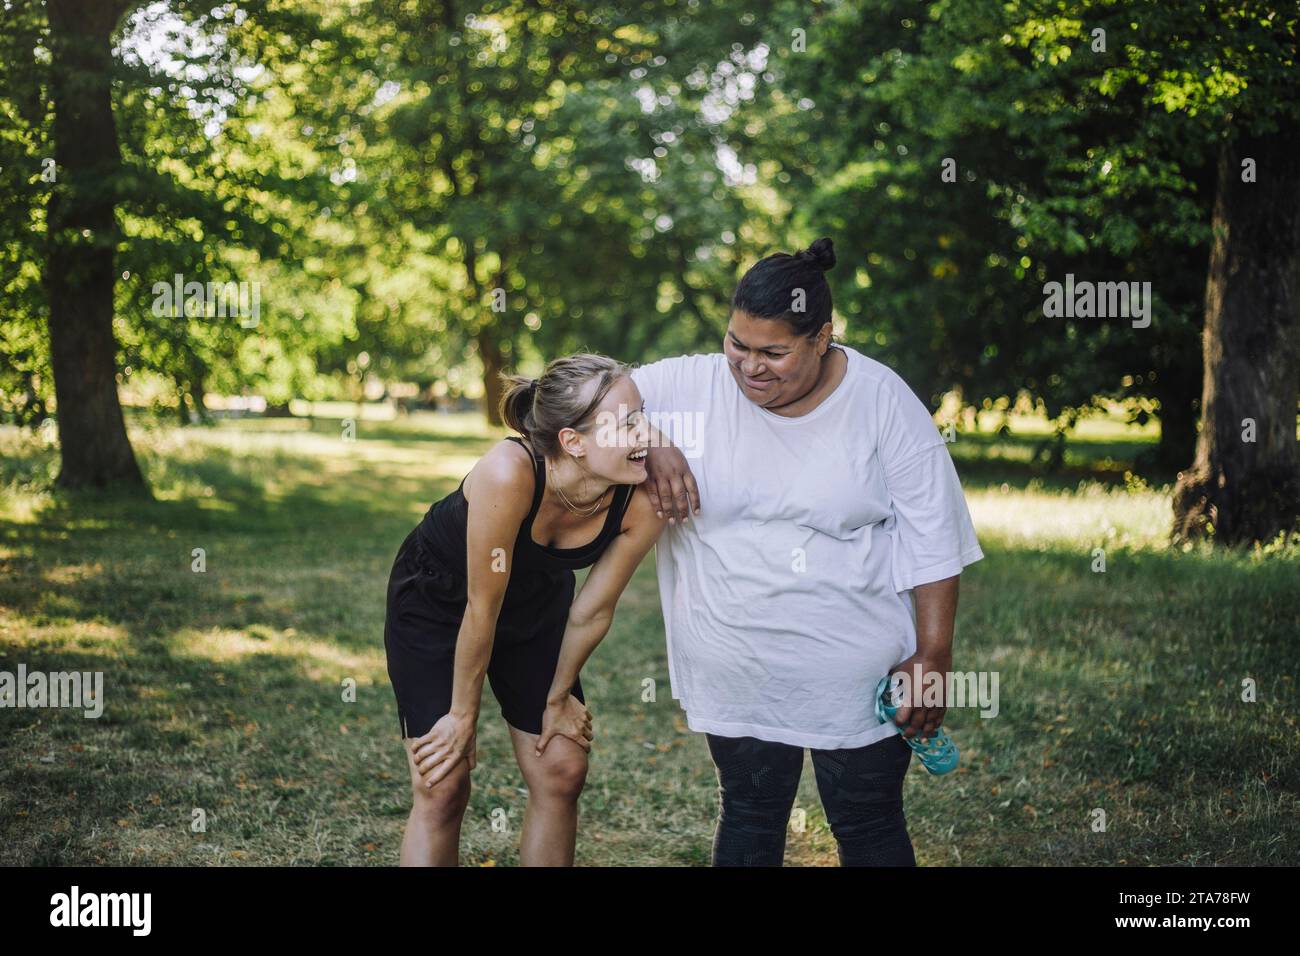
224, 690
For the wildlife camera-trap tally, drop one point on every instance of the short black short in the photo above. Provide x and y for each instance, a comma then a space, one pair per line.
426, 603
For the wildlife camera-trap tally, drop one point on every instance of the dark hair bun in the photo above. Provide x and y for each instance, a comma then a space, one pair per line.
821, 254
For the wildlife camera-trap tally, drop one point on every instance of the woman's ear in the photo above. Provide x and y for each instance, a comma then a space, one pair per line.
824, 338
572, 442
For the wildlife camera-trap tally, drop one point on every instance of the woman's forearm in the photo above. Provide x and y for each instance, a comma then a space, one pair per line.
580, 638
473, 652
936, 615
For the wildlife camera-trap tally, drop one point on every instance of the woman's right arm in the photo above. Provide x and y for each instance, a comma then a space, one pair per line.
499, 492
669, 482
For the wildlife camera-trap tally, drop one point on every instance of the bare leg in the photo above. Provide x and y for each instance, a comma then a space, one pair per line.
555, 782
432, 836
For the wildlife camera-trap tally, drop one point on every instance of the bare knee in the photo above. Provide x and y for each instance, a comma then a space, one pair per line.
444, 803
560, 778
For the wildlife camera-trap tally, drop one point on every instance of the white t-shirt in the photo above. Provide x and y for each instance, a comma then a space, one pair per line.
788, 597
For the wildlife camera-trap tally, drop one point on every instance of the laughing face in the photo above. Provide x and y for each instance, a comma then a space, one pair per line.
772, 364
615, 445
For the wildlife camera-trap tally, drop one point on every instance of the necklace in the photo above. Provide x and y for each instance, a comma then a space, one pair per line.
564, 499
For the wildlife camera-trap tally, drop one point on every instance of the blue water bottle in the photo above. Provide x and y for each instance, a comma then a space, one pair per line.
939, 754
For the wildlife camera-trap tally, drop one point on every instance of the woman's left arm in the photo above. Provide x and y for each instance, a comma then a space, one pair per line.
591, 615
936, 615
934, 540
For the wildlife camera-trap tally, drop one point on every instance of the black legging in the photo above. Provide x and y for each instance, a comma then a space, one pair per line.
861, 791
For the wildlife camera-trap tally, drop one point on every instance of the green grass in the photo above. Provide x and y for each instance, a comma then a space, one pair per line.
1119, 690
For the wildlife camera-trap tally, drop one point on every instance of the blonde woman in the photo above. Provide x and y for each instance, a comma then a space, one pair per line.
484, 588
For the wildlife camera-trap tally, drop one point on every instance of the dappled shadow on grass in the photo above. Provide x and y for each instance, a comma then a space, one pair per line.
1119, 690
236, 501
268, 535
264, 747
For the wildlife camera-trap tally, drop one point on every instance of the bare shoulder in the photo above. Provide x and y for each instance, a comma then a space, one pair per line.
503, 476
640, 517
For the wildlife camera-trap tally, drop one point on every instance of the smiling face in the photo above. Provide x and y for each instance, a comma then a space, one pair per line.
771, 363
614, 445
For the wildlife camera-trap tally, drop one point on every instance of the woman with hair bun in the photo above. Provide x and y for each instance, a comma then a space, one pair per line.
827, 555
483, 588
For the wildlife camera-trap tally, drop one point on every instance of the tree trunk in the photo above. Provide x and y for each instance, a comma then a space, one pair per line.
182, 404
489, 351
489, 348
199, 395
79, 271
1239, 490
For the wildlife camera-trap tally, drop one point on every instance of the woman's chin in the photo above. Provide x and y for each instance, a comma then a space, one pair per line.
628, 473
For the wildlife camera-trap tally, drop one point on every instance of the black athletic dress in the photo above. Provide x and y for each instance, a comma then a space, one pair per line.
427, 598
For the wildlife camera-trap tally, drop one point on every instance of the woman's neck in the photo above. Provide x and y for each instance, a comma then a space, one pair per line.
575, 482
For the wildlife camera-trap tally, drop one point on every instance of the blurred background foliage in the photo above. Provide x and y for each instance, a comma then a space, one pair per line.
380, 167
